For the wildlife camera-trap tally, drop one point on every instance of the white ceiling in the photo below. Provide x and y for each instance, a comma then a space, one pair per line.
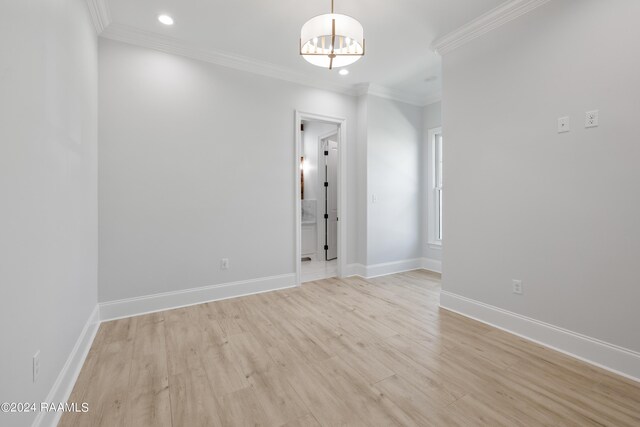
398, 34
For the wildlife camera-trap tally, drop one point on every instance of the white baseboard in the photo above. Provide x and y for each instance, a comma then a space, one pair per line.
434, 265
384, 269
613, 358
69, 374
355, 270
312, 276
168, 300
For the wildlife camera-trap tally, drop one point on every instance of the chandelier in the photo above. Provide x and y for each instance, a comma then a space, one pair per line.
332, 40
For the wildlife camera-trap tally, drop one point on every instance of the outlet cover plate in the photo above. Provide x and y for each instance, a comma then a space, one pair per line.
564, 125
36, 366
591, 119
517, 287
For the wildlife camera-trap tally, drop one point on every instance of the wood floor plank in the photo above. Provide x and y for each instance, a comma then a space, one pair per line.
416, 405
242, 408
305, 345
149, 401
250, 354
193, 402
357, 354
366, 403
223, 370
280, 402
108, 393
468, 407
183, 341
217, 357
590, 402
306, 421
377, 352
428, 379
317, 393
484, 377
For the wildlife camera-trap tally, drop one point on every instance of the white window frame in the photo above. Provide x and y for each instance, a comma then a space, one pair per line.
433, 204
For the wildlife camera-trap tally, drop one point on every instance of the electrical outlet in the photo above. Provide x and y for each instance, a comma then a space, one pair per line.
591, 119
224, 264
563, 125
374, 198
517, 287
36, 366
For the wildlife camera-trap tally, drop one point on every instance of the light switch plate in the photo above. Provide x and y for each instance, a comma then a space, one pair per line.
563, 125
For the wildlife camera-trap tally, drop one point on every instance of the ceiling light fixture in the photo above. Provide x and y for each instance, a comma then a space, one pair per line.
165, 19
332, 40
343, 72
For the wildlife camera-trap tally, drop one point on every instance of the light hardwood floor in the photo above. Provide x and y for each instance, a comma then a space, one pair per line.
373, 352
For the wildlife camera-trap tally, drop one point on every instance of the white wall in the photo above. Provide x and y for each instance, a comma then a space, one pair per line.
361, 164
182, 146
48, 173
432, 116
431, 119
394, 221
559, 211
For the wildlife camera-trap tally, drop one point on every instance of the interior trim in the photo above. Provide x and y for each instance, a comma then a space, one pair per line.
100, 14
486, 22
169, 300
162, 43
63, 386
386, 268
616, 359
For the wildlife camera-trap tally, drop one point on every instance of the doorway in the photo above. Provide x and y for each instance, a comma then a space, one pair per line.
320, 197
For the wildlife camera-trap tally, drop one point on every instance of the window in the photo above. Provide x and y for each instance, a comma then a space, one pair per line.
434, 185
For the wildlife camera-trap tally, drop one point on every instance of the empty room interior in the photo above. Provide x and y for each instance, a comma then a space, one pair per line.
319, 213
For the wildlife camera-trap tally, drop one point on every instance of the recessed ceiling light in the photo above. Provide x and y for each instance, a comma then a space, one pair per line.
165, 19
343, 72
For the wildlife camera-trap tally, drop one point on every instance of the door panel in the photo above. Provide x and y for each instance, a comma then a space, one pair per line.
331, 171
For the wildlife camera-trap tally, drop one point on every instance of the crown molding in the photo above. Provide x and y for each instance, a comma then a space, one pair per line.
147, 39
100, 14
150, 40
361, 89
433, 99
489, 21
396, 95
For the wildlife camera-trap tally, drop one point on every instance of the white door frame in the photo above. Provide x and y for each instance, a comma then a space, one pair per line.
342, 188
